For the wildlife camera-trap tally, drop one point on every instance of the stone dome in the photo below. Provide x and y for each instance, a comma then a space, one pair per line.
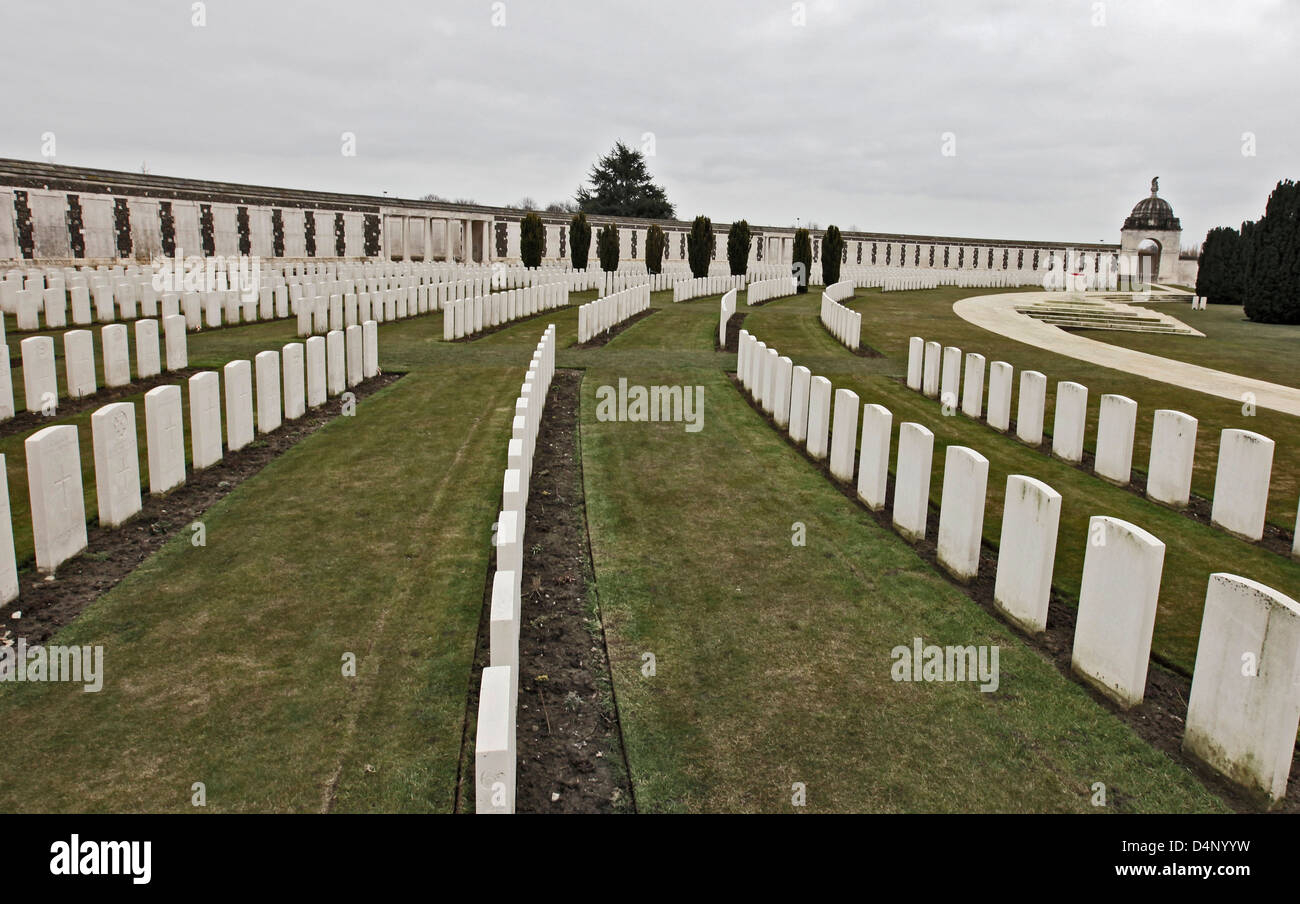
1153, 213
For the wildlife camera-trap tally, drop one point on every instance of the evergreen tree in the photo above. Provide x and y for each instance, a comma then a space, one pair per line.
1273, 266
621, 186
832, 255
1245, 255
1218, 274
699, 246
531, 236
738, 242
801, 268
607, 247
579, 241
655, 245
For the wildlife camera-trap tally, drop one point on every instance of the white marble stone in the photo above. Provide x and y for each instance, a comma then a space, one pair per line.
164, 438
354, 344
315, 371
40, 383
950, 378
961, 511
1241, 483
844, 434
1029, 412
55, 303
494, 742
769, 380
1001, 375
370, 349
8, 561
205, 419
781, 392
972, 387
873, 469
1173, 450
294, 367
336, 370
819, 417
800, 385
1117, 608
117, 463
147, 361
930, 369
1070, 421
175, 341
81, 313
915, 362
1031, 517
58, 510
237, 381
1244, 706
79, 362
1115, 428
117, 355
267, 366
503, 632
912, 481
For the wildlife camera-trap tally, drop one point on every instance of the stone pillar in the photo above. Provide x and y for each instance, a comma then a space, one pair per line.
1117, 608
1244, 706
1031, 516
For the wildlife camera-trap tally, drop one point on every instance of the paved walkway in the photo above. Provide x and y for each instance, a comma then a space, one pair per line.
997, 313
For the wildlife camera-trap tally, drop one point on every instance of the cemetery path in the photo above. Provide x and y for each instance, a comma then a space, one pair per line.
997, 313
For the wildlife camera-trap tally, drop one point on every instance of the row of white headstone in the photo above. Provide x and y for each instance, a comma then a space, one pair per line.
844, 323
39, 368
728, 307
767, 289
686, 289
603, 314
881, 277
495, 759
468, 316
321, 368
1199, 302
1240, 721
909, 283
1245, 462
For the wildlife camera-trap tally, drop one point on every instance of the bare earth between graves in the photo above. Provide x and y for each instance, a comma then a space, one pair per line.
570, 748
1161, 716
607, 336
113, 553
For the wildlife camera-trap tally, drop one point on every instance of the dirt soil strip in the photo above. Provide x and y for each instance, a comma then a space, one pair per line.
1277, 540
604, 338
29, 422
570, 745
113, 553
1161, 716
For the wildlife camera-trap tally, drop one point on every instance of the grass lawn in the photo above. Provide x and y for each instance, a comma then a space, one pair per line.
773, 661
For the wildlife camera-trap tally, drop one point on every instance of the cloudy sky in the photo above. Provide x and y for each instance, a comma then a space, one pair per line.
832, 111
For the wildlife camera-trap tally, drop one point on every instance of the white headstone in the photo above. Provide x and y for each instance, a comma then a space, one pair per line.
1000, 378
237, 377
844, 434
494, 742
295, 380
117, 463
315, 371
781, 392
1071, 419
205, 419
1173, 448
819, 417
1117, 608
58, 509
174, 339
8, 561
873, 470
336, 371
1031, 517
79, 360
950, 378
800, 385
164, 438
370, 350
972, 387
961, 511
915, 362
40, 383
912, 481
1244, 706
117, 355
147, 361
1241, 483
267, 365
930, 369
1029, 413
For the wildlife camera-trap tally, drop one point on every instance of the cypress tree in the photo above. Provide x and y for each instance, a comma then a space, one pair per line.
1272, 293
607, 248
801, 268
655, 245
832, 254
531, 233
579, 241
1218, 274
699, 246
738, 248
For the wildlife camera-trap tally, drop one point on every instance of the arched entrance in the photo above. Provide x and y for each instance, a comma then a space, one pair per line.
1148, 260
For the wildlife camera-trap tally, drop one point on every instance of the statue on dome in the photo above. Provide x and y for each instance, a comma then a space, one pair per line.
1155, 186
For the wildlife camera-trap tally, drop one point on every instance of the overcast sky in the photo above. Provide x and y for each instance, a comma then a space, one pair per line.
1059, 123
